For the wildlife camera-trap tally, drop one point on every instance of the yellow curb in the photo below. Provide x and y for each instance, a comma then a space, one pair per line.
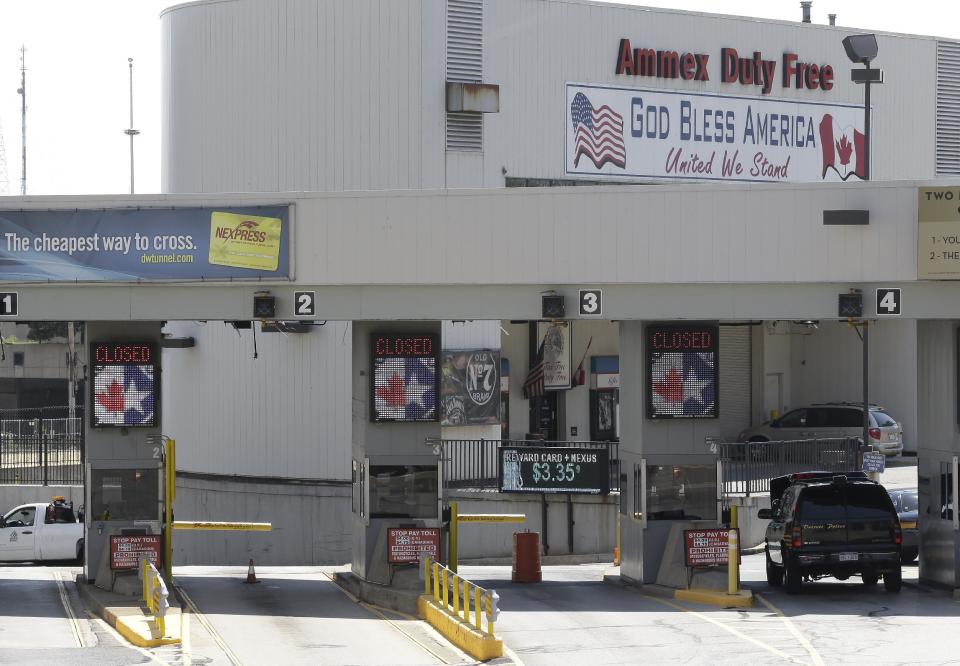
742, 599
141, 629
478, 645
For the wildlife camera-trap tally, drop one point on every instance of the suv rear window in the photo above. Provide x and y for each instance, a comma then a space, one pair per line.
820, 503
868, 503
883, 419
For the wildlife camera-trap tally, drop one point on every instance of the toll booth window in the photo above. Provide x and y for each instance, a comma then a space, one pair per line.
946, 491
358, 489
681, 492
403, 491
125, 494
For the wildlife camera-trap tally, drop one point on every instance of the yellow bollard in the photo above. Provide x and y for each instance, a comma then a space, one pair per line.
477, 606
466, 600
426, 575
446, 597
489, 614
452, 556
436, 582
456, 594
733, 555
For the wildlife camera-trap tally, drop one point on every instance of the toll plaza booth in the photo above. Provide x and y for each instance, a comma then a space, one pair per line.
396, 479
124, 464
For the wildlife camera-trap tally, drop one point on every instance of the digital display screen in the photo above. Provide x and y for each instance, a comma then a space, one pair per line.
124, 385
682, 372
405, 378
553, 470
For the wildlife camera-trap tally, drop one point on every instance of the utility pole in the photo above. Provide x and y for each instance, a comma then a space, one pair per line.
22, 90
131, 132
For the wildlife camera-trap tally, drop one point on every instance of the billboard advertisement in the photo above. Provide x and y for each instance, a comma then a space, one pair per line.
614, 132
144, 244
470, 387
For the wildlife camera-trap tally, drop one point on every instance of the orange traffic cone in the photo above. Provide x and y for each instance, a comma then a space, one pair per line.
251, 574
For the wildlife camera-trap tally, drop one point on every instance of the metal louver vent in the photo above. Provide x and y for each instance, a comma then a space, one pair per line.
948, 108
465, 64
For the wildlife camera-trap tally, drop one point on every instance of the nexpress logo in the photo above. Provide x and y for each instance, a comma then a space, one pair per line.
245, 241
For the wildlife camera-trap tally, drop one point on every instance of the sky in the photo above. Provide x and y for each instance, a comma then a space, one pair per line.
78, 79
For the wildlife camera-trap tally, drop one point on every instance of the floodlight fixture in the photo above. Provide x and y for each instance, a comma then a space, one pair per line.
861, 48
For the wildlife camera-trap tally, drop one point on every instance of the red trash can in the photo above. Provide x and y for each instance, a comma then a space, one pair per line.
526, 557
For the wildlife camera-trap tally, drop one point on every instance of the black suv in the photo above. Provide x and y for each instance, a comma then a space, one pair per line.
831, 524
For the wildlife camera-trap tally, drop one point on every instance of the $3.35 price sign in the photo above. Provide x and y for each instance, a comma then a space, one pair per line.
559, 471
528, 469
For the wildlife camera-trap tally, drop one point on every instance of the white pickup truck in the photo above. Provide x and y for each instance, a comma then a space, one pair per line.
35, 532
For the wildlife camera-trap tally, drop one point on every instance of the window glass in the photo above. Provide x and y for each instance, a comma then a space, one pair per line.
403, 491
819, 417
794, 419
847, 418
882, 419
125, 494
681, 492
821, 503
868, 503
908, 502
23, 517
785, 509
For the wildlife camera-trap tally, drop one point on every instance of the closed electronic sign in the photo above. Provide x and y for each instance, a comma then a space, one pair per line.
125, 384
405, 377
682, 375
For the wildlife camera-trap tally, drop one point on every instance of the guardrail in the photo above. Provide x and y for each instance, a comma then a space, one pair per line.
749, 466
154, 594
472, 463
446, 588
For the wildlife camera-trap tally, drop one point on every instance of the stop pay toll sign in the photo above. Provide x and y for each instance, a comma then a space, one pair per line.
707, 548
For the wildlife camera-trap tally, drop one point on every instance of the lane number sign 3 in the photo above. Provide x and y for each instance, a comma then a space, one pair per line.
591, 302
305, 303
888, 301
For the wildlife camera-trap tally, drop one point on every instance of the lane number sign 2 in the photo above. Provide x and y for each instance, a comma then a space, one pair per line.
9, 305
305, 303
591, 302
888, 301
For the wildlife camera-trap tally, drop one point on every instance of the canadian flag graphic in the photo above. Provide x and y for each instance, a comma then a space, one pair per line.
842, 149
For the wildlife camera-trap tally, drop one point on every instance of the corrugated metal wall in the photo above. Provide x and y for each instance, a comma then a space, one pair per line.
827, 366
292, 95
285, 414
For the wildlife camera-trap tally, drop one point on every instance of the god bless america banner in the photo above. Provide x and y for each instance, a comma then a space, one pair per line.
616, 132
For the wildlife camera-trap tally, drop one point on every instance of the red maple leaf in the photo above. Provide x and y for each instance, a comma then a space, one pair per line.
112, 400
671, 389
394, 394
844, 149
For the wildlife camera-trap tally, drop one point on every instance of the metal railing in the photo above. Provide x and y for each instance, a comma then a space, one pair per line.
41, 446
747, 467
154, 594
472, 463
448, 588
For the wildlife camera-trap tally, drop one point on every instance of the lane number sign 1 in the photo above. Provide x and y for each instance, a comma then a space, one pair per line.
888, 301
9, 305
305, 303
591, 302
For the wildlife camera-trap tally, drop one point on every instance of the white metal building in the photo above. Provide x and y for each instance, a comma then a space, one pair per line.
350, 96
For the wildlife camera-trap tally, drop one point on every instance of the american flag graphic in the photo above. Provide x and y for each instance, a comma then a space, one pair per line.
405, 389
124, 395
533, 385
683, 385
598, 133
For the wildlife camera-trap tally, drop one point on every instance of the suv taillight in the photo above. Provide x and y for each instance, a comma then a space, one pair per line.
874, 433
797, 540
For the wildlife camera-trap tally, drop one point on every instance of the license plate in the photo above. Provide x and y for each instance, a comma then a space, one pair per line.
848, 557
892, 437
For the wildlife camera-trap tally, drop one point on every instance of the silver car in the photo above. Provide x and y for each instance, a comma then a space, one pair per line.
833, 419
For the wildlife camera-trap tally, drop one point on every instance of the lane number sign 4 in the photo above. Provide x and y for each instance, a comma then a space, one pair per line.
9, 305
591, 302
888, 301
305, 303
